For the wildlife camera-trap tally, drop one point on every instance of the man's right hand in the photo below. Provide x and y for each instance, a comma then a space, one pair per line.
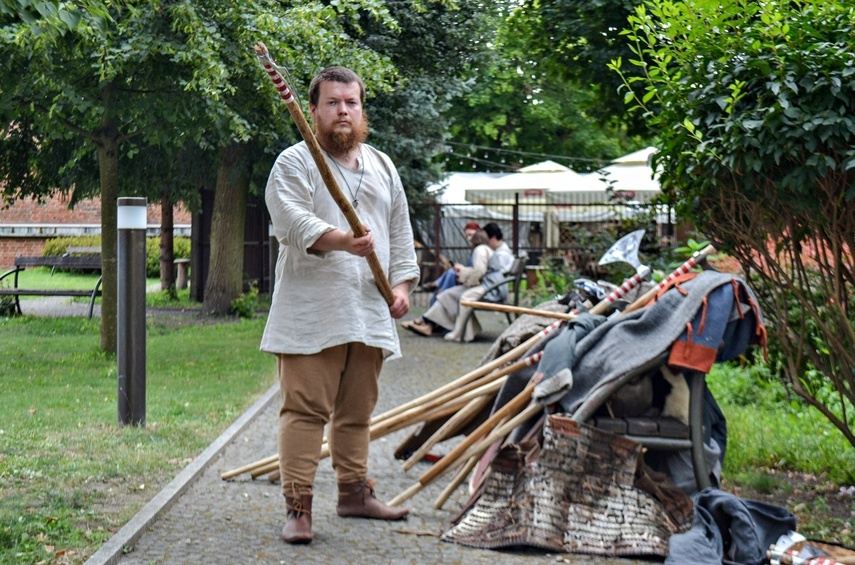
339, 240
361, 246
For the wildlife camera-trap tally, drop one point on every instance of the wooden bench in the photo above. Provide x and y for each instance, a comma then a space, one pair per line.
72, 250
88, 261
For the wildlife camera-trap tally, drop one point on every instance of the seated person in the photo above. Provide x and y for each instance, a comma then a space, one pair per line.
448, 279
469, 276
448, 314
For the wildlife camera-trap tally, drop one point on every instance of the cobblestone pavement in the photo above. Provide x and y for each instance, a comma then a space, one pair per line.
239, 521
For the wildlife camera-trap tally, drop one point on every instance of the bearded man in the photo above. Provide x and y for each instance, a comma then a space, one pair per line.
329, 326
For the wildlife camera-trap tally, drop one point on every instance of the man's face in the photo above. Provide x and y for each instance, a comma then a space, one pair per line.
340, 122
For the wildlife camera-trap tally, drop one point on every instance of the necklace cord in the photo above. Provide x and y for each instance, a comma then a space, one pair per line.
354, 195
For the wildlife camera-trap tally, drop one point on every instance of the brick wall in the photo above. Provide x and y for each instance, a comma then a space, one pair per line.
12, 247
54, 212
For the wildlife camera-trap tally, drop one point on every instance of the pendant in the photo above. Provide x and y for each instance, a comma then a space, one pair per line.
355, 203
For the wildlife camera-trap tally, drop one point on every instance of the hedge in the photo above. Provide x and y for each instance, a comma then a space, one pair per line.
180, 247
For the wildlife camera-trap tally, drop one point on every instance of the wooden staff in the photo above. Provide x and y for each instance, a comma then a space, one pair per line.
450, 427
264, 469
475, 451
460, 419
518, 310
441, 466
511, 355
323, 167
474, 454
250, 467
450, 404
458, 478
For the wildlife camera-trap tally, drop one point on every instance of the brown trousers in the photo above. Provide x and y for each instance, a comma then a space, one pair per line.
336, 386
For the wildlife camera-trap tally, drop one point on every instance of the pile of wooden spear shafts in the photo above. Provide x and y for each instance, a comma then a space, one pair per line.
463, 398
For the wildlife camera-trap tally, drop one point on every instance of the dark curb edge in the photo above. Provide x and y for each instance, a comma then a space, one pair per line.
114, 549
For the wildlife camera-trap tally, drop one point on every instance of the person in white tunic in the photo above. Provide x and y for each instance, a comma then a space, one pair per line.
449, 314
443, 312
329, 326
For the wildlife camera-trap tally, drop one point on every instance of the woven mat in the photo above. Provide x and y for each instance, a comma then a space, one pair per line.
574, 495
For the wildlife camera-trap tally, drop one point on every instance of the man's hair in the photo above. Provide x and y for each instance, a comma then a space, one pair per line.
334, 74
493, 230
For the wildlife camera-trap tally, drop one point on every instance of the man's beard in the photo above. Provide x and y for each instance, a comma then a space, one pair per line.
342, 142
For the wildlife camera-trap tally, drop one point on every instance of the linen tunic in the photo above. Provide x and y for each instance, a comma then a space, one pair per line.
471, 276
324, 299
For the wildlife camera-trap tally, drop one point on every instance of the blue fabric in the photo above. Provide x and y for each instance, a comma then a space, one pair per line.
742, 331
446, 280
709, 323
728, 529
499, 264
721, 329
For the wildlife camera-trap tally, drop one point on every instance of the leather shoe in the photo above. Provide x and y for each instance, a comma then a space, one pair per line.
298, 522
420, 328
357, 500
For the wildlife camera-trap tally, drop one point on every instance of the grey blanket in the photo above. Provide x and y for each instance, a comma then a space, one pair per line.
628, 344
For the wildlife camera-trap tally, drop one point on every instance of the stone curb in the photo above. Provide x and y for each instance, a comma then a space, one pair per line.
112, 551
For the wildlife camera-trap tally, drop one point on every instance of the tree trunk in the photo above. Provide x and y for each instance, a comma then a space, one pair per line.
225, 267
108, 168
167, 253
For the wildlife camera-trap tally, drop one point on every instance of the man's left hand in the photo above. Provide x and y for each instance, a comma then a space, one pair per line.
401, 303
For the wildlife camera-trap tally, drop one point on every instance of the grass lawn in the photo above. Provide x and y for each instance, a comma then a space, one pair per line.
41, 277
781, 451
70, 476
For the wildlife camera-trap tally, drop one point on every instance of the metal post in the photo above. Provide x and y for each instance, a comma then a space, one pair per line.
437, 241
131, 224
515, 225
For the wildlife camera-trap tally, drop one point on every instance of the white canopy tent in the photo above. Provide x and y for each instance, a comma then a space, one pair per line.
631, 178
530, 184
452, 189
457, 211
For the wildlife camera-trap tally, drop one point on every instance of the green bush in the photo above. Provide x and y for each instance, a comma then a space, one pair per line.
7, 307
244, 306
180, 247
58, 245
746, 384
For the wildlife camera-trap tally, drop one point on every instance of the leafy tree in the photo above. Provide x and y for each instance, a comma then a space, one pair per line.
410, 122
241, 115
168, 174
755, 114
521, 100
82, 80
580, 38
